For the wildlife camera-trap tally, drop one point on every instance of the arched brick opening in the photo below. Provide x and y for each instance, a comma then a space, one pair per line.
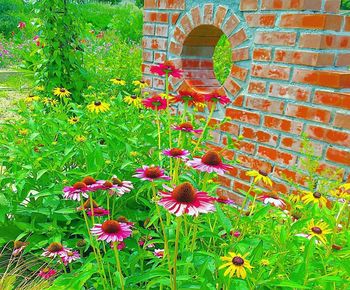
197, 58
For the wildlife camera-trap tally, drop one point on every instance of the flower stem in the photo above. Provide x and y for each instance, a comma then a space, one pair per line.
116, 254
204, 129
159, 140
178, 228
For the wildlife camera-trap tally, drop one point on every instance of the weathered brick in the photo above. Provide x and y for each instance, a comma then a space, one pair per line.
339, 100
262, 54
257, 87
338, 156
308, 113
172, 4
161, 30
148, 29
238, 38
276, 155
243, 116
296, 145
239, 73
259, 135
289, 92
324, 41
343, 59
342, 120
284, 125
249, 5
332, 6
270, 71
240, 54
308, 58
266, 105
328, 135
149, 4
260, 20
230, 24
312, 21
347, 23
155, 17
275, 38
154, 43
291, 5
208, 13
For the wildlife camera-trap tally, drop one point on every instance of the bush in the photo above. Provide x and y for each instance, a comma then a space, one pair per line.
345, 4
8, 22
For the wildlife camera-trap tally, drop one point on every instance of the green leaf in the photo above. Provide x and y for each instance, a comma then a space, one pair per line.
223, 219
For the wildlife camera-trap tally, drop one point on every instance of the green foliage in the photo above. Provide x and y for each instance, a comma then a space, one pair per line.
345, 4
8, 22
139, 3
222, 59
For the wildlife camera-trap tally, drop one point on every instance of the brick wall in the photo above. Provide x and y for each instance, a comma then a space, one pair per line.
290, 75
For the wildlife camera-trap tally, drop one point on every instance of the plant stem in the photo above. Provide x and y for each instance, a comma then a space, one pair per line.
178, 228
159, 140
116, 254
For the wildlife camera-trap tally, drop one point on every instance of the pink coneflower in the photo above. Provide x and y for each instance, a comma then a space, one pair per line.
98, 212
70, 257
123, 219
91, 183
115, 186
274, 200
236, 234
215, 98
18, 247
150, 173
159, 253
112, 231
190, 98
74, 192
21, 25
55, 249
166, 68
121, 246
155, 103
225, 200
186, 127
210, 162
184, 199
47, 273
176, 153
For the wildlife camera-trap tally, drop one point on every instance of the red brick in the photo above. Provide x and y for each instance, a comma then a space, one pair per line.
174, 17
196, 16
275, 38
272, 106
259, 136
186, 24
289, 92
238, 101
224, 181
295, 144
232, 86
330, 79
324, 41
239, 173
172, 4
238, 38
240, 54
161, 30
342, 120
347, 23
270, 71
147, 55
312, 21
332, 6
159, 57
179, 35
243, 116
249, 5
239, 73
343, 59
286, 174
175, 48
304, 57
338, 156
260, 20
262, 54
276, 155
230, 128
154, 43
230, 25
247, 147
208, 13
160, 17
148, 29
308, 113
338, 100
149, 4
283, 125
220, 16
257, 87
158, 83
254, 163
329, 135
291, 5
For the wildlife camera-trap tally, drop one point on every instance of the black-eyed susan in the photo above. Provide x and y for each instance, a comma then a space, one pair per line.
315, 197
40, 88
342, 193
236, 264
134, 101
98, 106
264, 262
260, 175
61, 92
140, 84
23, 132
73, 120
31, 98
118, 81
50, 101
318, 230
80, 138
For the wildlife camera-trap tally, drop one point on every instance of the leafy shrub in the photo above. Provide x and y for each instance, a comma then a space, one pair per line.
345, 4
8, 22
222, 59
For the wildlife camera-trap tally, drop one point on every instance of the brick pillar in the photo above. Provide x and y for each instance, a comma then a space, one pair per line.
290, 75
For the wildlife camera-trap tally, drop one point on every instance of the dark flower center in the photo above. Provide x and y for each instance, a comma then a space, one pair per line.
99, 211
19, 244
46, 270
133, 97
55, 247
97, 103
238, 261
87, 204
211, 158
153, 172
176, 152
75, 119
108, 184
122, 219
263, 173
111, 227
62, 90
79, 185
316, 230
117, 181
142, 82
186, 125
81, 243
317, 195
184, 192
88, 180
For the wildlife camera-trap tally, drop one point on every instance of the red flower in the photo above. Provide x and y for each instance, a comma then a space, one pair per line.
191, 98
215, 97
21, 25
166, 68
155, 103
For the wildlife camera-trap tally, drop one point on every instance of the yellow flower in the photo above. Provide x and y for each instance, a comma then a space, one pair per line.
141, 84
23, 132
73, 120
134, 153
80, 138
236, 263
264, 262
31, 98
61, 92
40, 88
294, 197
117, 81
49, 101
342, 192
319, 230
314, 197
97, 107
259, 175
133, 100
